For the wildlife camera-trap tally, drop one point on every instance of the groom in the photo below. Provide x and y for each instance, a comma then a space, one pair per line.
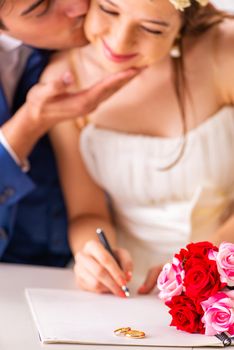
33, 222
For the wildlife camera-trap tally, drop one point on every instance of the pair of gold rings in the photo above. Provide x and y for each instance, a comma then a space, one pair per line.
130, 333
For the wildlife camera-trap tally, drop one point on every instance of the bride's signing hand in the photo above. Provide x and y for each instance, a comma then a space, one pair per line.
97, 271
151, 280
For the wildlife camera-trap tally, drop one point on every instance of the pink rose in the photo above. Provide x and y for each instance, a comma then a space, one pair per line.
219, 313
170, 280
225, 262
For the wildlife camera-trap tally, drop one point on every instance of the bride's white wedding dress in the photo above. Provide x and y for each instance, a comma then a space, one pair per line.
156, 213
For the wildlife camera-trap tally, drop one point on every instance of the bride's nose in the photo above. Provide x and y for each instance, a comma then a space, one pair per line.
122, 36
76, 8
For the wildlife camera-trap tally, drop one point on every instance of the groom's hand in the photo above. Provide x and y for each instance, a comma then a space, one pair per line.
49, 103
92, 97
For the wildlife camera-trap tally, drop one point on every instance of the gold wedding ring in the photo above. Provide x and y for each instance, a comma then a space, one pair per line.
130, 333
122, 331
133, 333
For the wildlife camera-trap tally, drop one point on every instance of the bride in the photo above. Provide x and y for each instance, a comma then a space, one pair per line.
154, 167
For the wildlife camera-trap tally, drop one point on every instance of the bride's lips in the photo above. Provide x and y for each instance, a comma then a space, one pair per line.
115, 57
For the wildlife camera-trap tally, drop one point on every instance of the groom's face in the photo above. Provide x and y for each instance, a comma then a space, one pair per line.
51, 24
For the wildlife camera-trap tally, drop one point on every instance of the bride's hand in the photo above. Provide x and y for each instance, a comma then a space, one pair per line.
97, 271
150, 281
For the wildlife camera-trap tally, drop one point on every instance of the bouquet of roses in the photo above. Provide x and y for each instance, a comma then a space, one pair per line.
197, 287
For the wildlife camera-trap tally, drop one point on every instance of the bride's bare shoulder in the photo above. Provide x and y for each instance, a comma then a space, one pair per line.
224, 57
225, 37
58, 64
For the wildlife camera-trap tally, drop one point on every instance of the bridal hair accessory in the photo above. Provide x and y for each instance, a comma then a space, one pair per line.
182, 4
197, 286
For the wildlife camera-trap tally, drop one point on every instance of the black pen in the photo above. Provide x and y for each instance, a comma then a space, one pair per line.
103, 240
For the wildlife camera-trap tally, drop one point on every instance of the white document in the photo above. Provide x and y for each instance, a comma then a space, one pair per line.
74, 316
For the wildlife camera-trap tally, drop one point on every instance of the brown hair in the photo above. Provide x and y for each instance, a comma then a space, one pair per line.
197, 20
2, 2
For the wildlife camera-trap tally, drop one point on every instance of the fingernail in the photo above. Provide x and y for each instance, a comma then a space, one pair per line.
121, 294
129, 275
142, 289
123, 281
68, 78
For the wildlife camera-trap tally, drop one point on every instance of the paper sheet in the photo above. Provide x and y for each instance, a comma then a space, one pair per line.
74, 316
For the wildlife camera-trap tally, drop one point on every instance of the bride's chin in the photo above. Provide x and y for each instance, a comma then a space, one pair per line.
113, 70
111, 67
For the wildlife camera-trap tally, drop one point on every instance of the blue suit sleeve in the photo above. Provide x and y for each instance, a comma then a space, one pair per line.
14, 184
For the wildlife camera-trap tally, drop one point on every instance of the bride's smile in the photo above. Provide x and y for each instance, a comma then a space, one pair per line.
130, 33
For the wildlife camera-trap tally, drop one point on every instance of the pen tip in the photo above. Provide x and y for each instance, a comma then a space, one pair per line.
126, 291
98, 230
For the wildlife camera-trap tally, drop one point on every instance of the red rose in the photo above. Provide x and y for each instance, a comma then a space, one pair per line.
182, 256
198, 250
201, 248
186, 315
202, 278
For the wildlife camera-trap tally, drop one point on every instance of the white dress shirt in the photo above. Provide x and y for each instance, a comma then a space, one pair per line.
13, 56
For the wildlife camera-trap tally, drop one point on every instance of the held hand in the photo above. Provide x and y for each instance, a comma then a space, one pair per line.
52, 102
150, 281
97, 271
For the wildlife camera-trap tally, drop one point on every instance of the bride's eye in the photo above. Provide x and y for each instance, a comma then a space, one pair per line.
151, 31
108, 11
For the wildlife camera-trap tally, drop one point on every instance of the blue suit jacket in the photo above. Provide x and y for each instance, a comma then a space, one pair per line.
33, 222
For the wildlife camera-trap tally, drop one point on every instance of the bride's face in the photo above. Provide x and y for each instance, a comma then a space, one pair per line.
131, 33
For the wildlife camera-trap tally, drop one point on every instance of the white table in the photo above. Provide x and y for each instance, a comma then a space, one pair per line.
17, 329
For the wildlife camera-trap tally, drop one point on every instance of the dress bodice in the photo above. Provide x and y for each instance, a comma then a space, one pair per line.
156, 213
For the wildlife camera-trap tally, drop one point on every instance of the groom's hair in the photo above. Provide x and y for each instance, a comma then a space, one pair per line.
2, 2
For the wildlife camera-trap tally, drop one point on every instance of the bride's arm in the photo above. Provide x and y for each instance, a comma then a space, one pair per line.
87, 210
224, 63
225, 233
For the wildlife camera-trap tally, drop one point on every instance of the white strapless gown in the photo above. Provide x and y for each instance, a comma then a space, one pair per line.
157, 213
